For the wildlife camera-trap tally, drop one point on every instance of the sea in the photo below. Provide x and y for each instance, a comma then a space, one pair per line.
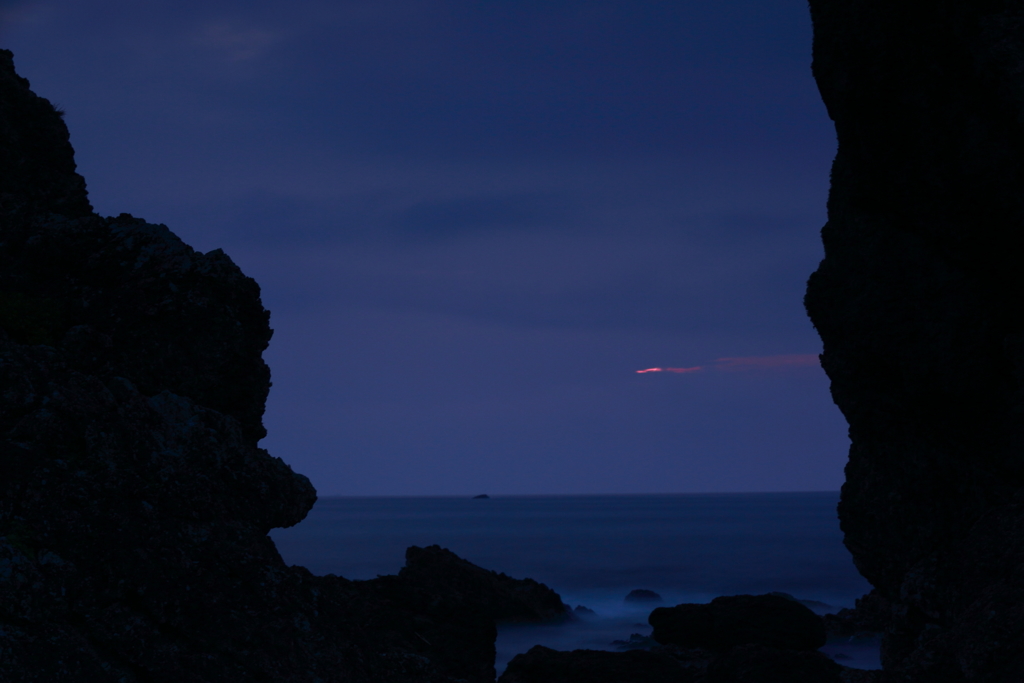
594, 550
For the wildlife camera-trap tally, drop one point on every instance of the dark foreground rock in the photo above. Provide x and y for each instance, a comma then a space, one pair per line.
444, 583
741, 664
134, 501
919, 305
760, 664
544, 665
728, 621
734, 639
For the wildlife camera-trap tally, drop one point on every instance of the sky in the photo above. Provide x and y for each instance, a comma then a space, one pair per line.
508, 246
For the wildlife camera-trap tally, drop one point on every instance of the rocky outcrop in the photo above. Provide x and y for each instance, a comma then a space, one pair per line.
870, 617
734, 639
37, 164
670, 664
134, 500
450, 584
919, 305
732, 620
756, 638
642, 596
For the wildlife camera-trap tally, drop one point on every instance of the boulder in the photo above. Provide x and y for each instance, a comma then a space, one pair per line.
440, 581
728, 621
686, 625
642, 595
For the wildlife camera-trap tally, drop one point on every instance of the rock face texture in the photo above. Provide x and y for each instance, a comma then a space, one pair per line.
920, 305
134, 500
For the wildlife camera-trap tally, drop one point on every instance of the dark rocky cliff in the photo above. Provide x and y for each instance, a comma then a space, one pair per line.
920, 305
134, 501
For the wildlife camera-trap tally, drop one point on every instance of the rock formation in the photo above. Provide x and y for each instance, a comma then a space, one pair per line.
729, 621
920, 305
734, 639
642, 595
134, 500
869, 618
544, 665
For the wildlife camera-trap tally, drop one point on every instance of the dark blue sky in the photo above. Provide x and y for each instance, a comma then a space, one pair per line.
473, 222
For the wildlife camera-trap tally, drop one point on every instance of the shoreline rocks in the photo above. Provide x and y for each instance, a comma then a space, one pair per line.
732, 639
729, 621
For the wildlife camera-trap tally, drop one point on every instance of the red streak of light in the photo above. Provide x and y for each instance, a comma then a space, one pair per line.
676, 370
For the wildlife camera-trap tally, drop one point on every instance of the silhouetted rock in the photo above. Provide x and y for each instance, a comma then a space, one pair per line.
636, 642
642, 595
134, 501
686, 625
583, 611
443, 583
870, 616
848, 675
816, 606
733, 639
741, 664
918, 304
761, 664
728, 621
482, 496
37, 164
544, 665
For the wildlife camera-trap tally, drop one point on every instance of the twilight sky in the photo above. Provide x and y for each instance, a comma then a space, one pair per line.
474, 222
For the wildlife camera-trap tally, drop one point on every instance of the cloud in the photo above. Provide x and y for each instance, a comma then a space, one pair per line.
453, 217
793, 360
238, 44
786, 361
14, 12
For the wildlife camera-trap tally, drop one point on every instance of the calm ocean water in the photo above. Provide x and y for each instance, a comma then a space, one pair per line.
593, 550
